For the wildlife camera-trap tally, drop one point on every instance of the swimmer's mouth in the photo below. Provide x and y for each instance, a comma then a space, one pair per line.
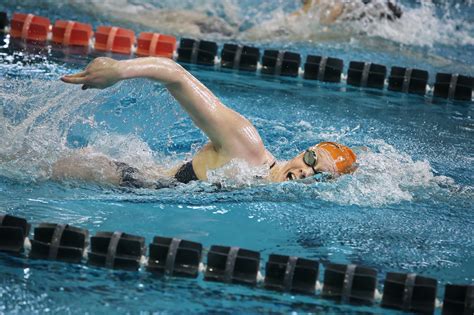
291, 176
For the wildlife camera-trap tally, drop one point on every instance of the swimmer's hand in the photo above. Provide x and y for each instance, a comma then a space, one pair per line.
101, 73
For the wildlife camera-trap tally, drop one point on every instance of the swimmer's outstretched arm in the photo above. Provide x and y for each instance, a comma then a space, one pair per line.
331, 10
229, 132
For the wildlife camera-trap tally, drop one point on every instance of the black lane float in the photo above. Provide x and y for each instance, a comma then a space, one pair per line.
13, 231
325, 69
238, 57
408, 80
59, 242
174, 257
116, 250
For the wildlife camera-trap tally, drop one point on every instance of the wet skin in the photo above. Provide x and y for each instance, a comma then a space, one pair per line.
231, 135
296, 168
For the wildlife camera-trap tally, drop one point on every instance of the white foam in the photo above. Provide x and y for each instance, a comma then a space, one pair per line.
385, 176
125, 148
419, 26
31, 142
238, 173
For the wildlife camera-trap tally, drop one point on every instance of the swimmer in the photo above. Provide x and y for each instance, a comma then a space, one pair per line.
328, 15
332, 10
231, 136
184, 22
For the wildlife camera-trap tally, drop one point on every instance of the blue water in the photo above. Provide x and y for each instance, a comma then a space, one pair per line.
408, 208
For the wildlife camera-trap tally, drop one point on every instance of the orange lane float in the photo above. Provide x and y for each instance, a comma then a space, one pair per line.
114, 39
156, 45
70, 33
29, 27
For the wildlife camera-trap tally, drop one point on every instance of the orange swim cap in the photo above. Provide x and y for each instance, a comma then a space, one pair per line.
344, 158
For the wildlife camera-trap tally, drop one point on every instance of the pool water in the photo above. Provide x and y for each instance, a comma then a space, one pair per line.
408, 208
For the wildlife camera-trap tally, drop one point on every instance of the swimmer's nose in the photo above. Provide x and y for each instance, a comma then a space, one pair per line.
304, 174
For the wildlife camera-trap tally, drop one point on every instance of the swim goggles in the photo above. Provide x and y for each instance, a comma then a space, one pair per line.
311, 159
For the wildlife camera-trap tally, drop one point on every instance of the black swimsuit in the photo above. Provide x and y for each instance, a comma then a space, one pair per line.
130, 176
186, 173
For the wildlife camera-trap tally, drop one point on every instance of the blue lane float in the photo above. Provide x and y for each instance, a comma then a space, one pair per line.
173, 257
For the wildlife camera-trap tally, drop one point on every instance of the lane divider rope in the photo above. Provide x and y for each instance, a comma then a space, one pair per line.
356, 286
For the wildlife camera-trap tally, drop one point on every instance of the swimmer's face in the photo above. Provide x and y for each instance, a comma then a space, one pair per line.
297, 168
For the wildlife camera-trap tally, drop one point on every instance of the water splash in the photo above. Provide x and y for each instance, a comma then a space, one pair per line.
128, 148
422, 24
36, 121
33, 123
385, 176
238, 174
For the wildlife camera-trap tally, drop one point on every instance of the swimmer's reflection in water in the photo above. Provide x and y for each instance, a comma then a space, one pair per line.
231, 136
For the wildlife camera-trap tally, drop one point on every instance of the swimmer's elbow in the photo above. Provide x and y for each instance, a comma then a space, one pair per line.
177, 78
170, 72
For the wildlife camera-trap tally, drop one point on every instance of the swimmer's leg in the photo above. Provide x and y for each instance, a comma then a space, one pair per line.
85, 165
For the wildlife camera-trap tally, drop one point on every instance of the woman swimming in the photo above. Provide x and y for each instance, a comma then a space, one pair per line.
231, 136
332, 10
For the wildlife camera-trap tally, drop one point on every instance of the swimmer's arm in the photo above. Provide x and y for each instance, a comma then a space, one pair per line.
331, 10
334, 13
306, 6
225, 128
